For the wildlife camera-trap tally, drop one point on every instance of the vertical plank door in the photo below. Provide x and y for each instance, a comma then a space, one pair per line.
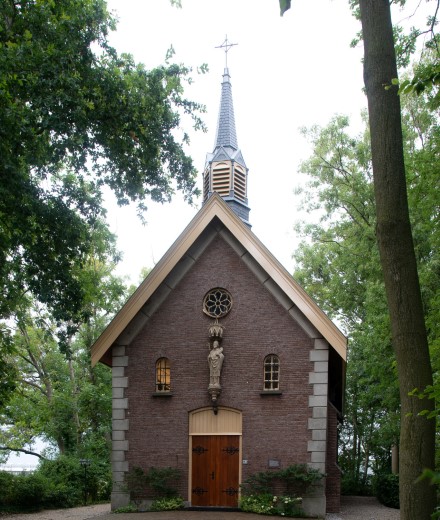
215, 470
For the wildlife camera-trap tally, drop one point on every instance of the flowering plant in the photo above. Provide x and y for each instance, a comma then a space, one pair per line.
267, 504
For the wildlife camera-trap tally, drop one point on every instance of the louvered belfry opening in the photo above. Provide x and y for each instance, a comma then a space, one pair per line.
225, 170
240, 184
221, 178
228, 180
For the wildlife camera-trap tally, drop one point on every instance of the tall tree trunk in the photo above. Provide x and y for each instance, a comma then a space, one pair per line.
75, 414
398, 260
354, 454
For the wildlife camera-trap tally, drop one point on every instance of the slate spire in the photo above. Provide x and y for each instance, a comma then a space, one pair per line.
226, 133
225, 170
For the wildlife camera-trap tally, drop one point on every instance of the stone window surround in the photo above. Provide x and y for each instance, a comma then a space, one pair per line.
274, 376
163, 375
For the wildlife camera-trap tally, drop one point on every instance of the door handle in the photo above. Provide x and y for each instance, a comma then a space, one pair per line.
212, 476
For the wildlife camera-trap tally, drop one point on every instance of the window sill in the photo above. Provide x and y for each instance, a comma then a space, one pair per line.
271, 392
162, 394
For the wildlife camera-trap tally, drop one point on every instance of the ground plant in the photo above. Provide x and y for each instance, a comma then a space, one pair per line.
157, 484
167, 504
267, 504
278, 492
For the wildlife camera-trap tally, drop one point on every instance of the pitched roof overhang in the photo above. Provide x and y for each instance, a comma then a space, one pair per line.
293, 294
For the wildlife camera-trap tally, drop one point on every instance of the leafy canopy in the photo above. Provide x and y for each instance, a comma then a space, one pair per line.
74, 117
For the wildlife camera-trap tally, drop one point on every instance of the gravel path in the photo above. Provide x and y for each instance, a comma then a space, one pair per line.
352, 508
364, 508
75, 513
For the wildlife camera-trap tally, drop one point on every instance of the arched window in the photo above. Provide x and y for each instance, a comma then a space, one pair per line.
271, 372
163, 375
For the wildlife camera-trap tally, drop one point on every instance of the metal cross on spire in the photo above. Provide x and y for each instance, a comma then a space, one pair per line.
226, 45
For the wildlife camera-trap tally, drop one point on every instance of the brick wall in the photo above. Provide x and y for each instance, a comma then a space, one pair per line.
274, 427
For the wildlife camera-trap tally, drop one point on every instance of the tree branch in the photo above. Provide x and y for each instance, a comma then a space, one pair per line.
22, 450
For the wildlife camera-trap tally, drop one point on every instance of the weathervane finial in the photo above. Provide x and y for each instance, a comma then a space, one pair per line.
226, 45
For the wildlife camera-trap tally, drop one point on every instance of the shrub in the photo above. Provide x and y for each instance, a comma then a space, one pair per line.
293, 480
164, 481
58, 495
30, 491
354, 485
387, 489
167, 504
277, 492
154, 484
67, 480
267, 504
56, 483
6, 486
261, 504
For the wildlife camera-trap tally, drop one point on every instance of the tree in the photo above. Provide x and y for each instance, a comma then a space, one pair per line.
339, 266
74, 117
396, 248
57, 394
397, 256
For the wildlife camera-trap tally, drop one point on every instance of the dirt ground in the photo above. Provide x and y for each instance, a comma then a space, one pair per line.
352, 508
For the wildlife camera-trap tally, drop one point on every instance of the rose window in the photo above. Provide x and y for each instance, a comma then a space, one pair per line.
217, 303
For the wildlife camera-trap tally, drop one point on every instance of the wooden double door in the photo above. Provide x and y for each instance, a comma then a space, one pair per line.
215, 470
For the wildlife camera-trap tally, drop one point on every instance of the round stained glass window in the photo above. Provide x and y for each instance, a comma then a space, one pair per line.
217, 303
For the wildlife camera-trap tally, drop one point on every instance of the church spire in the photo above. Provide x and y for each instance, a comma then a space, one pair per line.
226, 132
225, 170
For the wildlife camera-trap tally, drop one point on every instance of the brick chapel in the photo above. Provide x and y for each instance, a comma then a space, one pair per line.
222, 365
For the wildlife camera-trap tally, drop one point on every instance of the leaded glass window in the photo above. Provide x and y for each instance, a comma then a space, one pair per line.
271, 372
163, 375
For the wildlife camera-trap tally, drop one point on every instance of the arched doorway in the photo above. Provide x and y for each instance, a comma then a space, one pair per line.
215, 455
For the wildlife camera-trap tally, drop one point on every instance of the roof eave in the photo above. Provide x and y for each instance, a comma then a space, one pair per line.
216, 207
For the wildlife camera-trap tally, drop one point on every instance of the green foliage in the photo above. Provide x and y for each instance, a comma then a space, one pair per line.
131, 508
136, 485
7, 486
68, 476
425, 79
156, 483
29, 491
163, 481
268, 504
74, 117
432, 476
430, 392
293, 480
352, 484
284, 6
167, 504
434, 479
58, 396
338, 264
386, 488
8, 370
261, 504
55, 484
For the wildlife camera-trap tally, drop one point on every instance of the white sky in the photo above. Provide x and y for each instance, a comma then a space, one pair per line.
286, 73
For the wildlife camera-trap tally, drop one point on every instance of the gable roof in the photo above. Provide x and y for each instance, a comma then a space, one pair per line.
276, 278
